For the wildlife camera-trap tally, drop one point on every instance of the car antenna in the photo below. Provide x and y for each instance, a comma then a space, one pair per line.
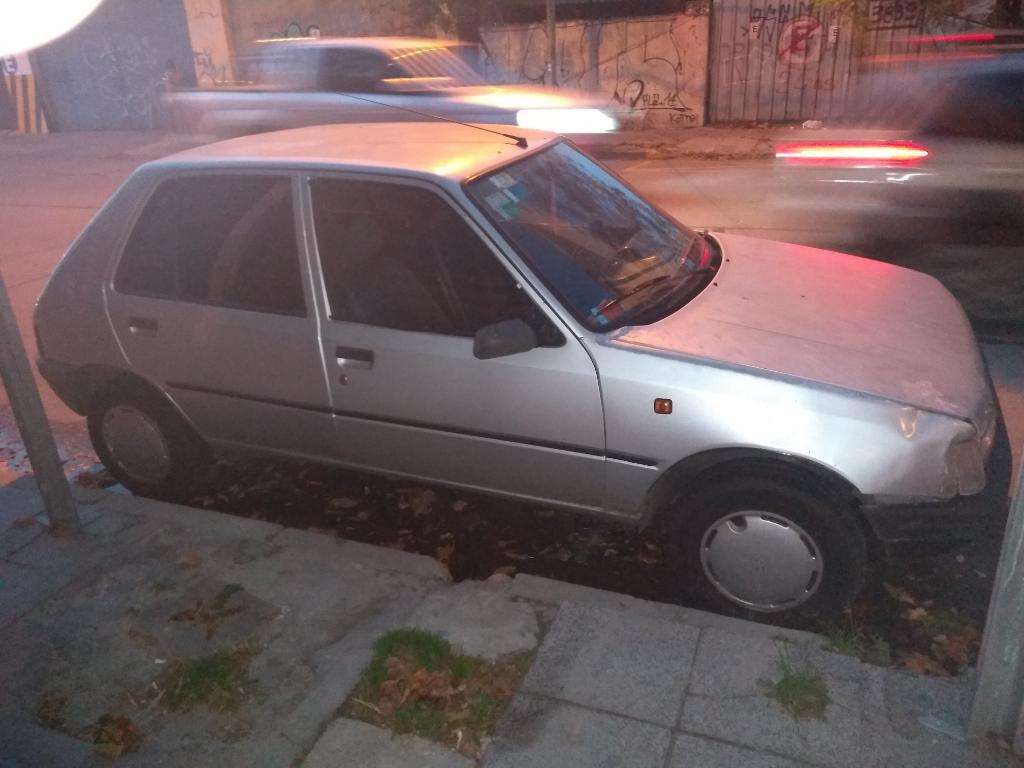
519, 140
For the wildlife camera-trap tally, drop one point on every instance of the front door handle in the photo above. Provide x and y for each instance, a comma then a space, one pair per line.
143, 325
350, 357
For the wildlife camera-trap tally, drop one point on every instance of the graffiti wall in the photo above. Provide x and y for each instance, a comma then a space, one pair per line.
211, 52
791, 60
653, 70
251, 20
106, 72
777, 60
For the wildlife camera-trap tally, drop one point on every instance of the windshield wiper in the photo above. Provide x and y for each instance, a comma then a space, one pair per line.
607, 304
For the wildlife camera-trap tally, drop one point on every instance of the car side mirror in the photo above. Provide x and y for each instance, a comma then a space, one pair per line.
509, 337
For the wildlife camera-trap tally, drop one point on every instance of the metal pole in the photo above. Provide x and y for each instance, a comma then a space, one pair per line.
999, 695
552, 43
32, 424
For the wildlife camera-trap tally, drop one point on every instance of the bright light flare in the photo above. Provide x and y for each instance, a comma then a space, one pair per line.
887, 153
566, 120
24, 26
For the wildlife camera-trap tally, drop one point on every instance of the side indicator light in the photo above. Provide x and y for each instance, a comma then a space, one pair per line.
662, 405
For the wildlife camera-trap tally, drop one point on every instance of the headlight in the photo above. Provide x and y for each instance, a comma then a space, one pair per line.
566, 120
965, 465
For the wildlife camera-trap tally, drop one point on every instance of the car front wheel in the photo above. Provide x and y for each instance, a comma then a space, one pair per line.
772, 544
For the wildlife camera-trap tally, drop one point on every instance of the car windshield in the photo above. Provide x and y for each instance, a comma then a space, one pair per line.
609, 255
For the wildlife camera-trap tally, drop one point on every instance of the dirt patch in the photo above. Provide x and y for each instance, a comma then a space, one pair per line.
417, 684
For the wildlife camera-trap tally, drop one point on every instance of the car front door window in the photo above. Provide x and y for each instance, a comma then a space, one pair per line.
409, 283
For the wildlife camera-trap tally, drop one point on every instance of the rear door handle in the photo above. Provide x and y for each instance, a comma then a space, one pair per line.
350, 357
143, 325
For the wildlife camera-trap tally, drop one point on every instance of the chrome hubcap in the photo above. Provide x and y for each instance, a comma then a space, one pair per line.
136, 444
761, 560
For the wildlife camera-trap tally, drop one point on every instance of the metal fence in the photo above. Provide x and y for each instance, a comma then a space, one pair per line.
791, 60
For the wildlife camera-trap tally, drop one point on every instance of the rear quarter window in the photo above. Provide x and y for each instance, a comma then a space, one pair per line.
220, 240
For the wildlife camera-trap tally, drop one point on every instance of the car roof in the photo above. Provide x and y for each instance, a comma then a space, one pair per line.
443, 149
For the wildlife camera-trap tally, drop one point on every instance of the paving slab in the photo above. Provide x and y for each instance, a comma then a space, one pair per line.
480, 619
352, 743
616, 661
551, 591
841, 739
541, 733
697, 752
25, 744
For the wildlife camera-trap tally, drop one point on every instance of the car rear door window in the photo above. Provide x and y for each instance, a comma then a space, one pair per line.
399, 256
227, 241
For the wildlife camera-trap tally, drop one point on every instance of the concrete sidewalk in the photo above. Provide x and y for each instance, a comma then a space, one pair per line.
615, 681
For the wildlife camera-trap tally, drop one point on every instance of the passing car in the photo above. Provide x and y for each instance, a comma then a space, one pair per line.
309, 81
942, 193
431, 301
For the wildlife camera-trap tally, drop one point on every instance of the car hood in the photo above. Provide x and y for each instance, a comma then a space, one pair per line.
832, 319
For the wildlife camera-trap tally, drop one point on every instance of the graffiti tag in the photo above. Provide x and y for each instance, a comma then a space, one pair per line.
800, 42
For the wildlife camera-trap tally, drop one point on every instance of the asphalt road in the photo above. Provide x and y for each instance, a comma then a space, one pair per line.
54, 184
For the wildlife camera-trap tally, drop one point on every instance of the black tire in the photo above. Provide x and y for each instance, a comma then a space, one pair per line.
187, 455
826, 518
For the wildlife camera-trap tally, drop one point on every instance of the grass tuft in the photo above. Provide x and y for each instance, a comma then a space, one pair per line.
415, 683
850, 641
219, 681
803, 693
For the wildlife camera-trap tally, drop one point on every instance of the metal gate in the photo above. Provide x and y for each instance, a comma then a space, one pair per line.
791, 60
105, 73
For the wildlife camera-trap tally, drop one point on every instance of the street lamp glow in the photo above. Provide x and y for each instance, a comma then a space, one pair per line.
27, 25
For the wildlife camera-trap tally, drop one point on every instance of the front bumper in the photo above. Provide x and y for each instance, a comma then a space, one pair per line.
962, 518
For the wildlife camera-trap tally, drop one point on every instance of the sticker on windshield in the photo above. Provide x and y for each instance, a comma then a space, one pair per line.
502, 180
503, 205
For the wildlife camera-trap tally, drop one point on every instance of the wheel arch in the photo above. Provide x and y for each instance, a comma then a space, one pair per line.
96, 382
703, 467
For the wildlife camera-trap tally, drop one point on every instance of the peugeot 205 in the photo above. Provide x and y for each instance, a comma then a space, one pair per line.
501, 313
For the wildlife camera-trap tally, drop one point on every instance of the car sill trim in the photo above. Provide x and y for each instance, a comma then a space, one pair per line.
550, 445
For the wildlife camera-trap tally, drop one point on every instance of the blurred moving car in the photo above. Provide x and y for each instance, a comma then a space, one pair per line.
945, 195
304, 81
435, 302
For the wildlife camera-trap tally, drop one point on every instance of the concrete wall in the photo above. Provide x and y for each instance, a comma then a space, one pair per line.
653, 69
250, 20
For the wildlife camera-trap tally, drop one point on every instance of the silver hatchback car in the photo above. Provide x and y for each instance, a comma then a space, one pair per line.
434, 301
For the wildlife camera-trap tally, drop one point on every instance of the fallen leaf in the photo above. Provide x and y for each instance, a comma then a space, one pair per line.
190, 560
444, 553
923, 665
897, 593
343, 502
24, 522
114, 736
506, 570
916, 614
459, 505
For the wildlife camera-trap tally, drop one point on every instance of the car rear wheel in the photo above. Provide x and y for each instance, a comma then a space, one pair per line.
771, 545
145, 445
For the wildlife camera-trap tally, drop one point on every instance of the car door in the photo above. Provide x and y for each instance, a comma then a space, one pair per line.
407, 282
210, 301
